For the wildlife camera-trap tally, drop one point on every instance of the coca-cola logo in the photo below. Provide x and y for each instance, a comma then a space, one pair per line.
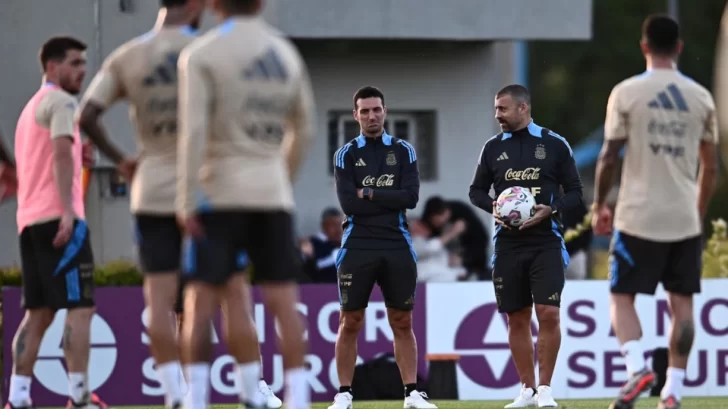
381, 181
525, 174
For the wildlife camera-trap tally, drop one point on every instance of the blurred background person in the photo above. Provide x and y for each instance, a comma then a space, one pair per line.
435, 241
578, 246
319, 251
474, 241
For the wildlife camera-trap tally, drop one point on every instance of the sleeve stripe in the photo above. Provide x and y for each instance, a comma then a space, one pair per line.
562, 139
410, 150
480, 158
340, 155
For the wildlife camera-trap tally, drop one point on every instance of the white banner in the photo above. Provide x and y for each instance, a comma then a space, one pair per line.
462, 318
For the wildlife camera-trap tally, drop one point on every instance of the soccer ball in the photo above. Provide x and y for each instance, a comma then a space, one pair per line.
515, 205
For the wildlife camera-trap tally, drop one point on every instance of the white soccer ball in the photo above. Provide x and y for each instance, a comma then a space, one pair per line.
515, 205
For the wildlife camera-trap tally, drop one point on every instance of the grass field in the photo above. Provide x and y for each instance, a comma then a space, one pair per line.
646, 403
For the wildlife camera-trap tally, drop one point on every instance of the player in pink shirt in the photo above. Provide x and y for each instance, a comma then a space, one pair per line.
57, 261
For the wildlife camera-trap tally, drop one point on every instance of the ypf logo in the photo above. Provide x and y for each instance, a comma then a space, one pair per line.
482, 342
50, 371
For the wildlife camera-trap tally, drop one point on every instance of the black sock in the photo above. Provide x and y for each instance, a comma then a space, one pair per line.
409, 388
344, 389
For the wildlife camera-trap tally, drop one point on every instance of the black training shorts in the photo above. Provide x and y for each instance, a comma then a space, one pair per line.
523, 278
56, 278
235, 238
159, 243
394, 270
637, 265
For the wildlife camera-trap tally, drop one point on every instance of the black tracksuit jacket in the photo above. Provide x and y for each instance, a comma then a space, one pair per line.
540, 160
387, 165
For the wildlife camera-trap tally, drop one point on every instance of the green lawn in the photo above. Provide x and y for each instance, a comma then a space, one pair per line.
646, 403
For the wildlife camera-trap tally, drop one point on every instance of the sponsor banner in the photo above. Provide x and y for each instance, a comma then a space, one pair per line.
121, 369
589, 363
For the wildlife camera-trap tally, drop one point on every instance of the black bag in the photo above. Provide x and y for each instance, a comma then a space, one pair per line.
379, 379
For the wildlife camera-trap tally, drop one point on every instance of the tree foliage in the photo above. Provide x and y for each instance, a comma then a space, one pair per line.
571, 80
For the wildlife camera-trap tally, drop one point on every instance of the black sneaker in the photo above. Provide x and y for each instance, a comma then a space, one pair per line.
91, 401
631, 391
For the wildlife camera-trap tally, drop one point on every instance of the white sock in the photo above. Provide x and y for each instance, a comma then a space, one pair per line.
634, 357
181, 380
298, 394
77, 387
19, 390
198, 382
673, 384
248, 376
168, 375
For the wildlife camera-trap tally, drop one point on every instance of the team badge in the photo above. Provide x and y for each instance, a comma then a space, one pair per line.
540, 152
391, 159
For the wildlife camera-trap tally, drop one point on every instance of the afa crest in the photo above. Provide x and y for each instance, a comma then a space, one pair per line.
540, 152
391, 158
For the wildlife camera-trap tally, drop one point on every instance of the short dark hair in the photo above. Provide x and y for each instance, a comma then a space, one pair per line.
518, 92
662, 34
55, 49
240, 6
368, 92
330, 212
434, 206
172, 3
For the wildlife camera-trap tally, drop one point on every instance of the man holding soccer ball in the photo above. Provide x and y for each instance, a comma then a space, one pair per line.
528, 166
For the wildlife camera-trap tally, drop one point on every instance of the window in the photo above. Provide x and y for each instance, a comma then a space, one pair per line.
416, 127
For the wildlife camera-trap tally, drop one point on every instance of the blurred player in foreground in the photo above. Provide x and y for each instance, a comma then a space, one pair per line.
529, 262
144, 72
57, 262
246, 114
667, 123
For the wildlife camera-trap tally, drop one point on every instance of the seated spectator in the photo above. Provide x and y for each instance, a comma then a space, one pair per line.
578, 247
431, 237
319, 251
474, 241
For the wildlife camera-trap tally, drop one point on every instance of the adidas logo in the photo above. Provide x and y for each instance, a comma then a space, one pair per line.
664, 101
360, 162
266, 67
503, 156
554, 297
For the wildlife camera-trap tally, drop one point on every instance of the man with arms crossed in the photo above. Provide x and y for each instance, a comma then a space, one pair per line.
246, 114
57, 262
667, 123
529, 262
377, 180
144, 72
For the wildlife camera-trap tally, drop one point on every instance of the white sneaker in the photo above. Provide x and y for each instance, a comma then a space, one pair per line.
418, 400
526, 399
545, 400
271, 399
342, 401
